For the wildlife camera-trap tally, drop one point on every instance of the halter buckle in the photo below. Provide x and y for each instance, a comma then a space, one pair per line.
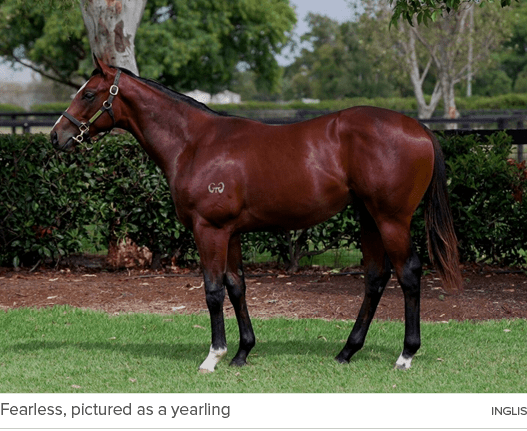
84, 128
114, 89
79, 138
107, 105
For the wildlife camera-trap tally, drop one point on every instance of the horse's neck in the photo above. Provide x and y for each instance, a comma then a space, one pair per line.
162, 125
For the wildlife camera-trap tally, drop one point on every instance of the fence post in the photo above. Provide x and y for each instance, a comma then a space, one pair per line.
13, 128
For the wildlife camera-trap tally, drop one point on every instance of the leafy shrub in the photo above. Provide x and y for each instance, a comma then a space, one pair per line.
489, 214
52, 203
43, 196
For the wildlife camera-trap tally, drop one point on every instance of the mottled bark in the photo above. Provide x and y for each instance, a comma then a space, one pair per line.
111, 27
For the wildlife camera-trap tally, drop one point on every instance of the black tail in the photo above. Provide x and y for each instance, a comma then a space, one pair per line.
442, 241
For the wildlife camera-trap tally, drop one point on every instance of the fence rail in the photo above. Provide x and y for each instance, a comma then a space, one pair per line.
27, 120
513, 122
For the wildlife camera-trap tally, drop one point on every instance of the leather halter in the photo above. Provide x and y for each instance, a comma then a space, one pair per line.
106, 107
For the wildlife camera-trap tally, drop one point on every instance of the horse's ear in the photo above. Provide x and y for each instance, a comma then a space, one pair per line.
99, 65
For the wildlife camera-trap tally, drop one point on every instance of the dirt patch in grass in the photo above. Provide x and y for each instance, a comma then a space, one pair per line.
489, 293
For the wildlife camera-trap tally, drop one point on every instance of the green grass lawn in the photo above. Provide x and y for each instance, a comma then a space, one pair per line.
64, 349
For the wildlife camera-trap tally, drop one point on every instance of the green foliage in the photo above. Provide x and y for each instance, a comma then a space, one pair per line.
198, 44
520, 86
512, 57
43, 197
183, 44
502, 102
8, 107
48, 199
427, 11
493, 82
486, 191
48, 35
337, 66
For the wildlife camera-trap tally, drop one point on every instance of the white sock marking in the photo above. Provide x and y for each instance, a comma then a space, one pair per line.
212, 359
403, 363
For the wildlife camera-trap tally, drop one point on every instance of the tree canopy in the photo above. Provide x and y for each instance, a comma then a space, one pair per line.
180, 43
426, 11
335, 65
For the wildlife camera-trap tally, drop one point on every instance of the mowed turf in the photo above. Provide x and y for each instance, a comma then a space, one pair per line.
64, 349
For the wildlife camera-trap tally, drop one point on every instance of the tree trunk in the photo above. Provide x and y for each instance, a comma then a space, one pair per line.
111, 27
417, 78
449, 100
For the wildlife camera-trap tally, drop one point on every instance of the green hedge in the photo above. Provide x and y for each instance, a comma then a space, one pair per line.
486, 189
50, 107
54, 203
405, 104
8, 107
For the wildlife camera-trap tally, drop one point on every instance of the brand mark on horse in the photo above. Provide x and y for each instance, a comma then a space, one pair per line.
213, 188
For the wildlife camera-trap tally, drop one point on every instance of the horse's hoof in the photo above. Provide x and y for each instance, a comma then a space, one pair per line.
205, 371
342, 360
400, 367
238, 363
403, 363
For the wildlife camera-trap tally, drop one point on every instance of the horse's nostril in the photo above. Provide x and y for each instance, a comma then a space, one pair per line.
54, 138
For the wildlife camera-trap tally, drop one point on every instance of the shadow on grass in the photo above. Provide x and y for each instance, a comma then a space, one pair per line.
196, 352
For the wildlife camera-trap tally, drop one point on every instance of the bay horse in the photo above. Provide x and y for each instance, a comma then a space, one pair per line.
229, 175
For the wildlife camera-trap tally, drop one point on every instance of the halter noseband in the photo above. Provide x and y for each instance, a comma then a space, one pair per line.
106, 107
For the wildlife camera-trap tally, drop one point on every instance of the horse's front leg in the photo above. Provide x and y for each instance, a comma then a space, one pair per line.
212, 246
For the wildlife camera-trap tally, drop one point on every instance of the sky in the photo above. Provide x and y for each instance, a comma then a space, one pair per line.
335, 9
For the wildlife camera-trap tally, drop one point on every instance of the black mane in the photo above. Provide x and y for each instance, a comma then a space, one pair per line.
173, 94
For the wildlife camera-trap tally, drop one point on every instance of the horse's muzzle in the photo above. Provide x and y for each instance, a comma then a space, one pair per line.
68, 145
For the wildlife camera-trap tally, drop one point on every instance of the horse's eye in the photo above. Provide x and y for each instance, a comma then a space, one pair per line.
89, 96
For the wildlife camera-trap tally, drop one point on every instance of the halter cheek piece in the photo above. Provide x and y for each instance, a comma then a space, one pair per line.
106, 107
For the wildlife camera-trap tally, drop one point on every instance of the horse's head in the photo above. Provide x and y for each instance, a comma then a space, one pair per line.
92, 109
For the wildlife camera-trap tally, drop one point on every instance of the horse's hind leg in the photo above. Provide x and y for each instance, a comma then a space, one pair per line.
378, 272
235, 282
398, 243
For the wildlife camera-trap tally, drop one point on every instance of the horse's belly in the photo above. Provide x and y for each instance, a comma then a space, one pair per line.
300, 205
